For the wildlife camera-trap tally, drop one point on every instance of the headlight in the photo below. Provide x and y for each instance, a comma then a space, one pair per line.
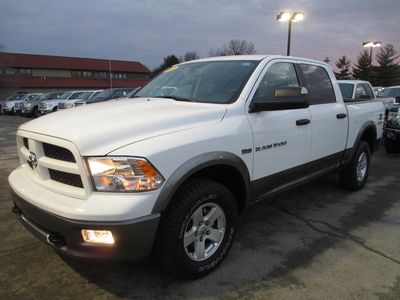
123, 174
9, 104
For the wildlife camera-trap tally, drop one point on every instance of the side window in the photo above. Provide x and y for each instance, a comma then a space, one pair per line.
278, 75
318, 84
368, 91
360, 92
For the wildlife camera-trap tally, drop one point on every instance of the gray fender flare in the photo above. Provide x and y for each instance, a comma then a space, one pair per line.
351, 151
195, 164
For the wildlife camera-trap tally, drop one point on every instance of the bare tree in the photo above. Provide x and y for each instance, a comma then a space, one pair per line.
190, 55
235, 47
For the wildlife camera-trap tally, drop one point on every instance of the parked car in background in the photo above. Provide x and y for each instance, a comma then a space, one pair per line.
392, 130
9, 104
17, 105
378, 90
106, 95
49, 106
31, 107
392, 91
359, 90
69, 103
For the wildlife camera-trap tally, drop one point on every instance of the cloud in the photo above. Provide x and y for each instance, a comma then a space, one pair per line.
147, 31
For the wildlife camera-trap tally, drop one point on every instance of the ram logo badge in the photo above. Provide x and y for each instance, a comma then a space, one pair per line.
33, 159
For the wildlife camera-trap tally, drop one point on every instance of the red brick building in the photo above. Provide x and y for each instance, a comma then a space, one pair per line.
29, 72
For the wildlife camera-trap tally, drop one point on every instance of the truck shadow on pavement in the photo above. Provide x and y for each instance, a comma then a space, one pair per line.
275, 238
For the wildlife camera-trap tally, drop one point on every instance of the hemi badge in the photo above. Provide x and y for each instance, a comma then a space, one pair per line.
246, 151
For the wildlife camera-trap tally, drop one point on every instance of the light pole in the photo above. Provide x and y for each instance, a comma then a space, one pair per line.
371, 45
290, 17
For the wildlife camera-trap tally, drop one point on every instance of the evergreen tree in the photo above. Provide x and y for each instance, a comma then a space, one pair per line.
362, 70
169, 61
343, 64
327, 60
388, 70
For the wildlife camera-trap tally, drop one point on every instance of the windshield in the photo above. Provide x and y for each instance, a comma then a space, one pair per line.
106, 94
84, 96
76, 95
31, 97
211, 81
390, 92
347, 90
65, 95
18, 97
50, 96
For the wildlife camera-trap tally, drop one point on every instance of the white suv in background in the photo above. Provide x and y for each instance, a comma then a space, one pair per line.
49, 106
69, 103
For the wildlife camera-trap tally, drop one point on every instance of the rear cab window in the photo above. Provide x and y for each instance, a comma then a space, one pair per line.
318, 84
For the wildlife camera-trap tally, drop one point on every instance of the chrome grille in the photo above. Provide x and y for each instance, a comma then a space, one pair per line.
57, 152
53, 163
66, 178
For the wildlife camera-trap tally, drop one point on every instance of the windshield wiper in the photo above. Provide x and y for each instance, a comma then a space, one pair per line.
178, 98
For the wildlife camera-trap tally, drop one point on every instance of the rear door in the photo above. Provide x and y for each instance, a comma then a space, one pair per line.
328, 117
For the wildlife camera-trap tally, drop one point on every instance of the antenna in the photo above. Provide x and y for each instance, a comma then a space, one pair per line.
111, 83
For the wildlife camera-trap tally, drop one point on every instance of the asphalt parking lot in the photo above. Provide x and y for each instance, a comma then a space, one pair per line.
315, 242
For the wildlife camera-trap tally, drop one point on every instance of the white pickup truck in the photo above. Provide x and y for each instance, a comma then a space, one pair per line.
360, 90
170, 170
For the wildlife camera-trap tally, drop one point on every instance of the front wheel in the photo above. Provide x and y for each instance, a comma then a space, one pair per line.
197, 229
355, 175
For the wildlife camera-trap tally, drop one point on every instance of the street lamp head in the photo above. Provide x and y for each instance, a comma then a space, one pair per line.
284, 16
372, 44
297, 16
291, 17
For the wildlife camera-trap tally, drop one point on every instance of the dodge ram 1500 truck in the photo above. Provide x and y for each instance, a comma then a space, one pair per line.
170, 171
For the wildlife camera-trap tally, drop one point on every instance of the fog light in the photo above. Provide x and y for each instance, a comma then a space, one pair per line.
97, 236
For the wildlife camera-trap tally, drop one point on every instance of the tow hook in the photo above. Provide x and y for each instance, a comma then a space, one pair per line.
16, 210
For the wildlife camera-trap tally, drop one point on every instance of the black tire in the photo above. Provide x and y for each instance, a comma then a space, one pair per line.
35, 112
352, 177
392, 147
194, 197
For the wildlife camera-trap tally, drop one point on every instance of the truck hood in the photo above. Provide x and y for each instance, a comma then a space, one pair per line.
100, 128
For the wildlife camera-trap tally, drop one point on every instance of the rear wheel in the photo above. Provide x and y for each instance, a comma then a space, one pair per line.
197, 229
355, 175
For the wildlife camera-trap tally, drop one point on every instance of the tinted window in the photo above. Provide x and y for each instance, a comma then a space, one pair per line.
318, 84
360, 92
277, 76
368, 91
347, 90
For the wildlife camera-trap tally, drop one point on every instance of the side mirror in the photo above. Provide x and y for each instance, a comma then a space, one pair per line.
397, 99
285, 98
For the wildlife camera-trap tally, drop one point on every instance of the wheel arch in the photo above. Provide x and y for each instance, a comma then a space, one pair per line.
223, 167
367, 133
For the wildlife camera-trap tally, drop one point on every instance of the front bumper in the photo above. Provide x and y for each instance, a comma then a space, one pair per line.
392, 133
133, 238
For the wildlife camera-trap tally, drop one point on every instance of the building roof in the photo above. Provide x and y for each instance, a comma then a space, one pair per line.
34, 61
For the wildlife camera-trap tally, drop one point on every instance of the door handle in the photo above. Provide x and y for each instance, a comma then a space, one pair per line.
302, 122
341, 116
